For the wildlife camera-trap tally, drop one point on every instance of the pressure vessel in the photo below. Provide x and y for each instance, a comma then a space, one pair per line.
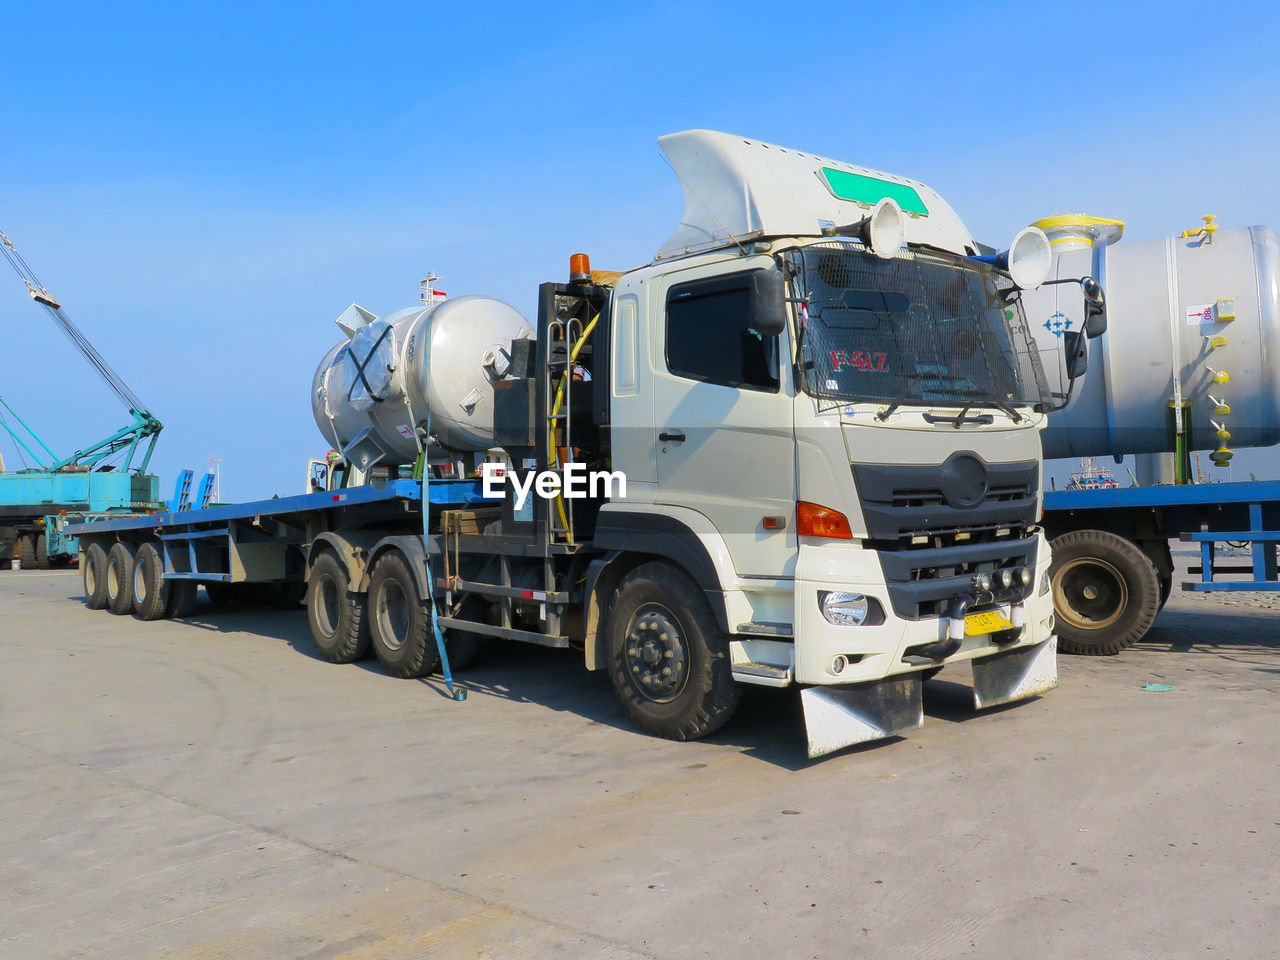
425, 366
1192, 341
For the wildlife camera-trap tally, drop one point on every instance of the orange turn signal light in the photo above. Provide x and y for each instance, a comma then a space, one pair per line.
815, 520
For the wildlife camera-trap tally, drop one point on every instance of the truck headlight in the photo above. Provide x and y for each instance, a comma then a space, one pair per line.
1044, 583
849, 609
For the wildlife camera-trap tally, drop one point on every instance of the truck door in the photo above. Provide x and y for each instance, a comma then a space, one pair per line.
723, 414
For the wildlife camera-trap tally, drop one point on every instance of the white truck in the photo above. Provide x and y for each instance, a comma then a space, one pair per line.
825, 401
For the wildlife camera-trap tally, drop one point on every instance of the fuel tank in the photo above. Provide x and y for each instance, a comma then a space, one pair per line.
429, 367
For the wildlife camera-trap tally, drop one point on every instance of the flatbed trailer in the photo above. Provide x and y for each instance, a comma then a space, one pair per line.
263, 544
1112, 566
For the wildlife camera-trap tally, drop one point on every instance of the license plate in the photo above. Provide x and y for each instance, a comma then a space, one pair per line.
989, 621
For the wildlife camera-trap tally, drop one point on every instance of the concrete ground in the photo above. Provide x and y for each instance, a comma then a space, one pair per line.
210, 789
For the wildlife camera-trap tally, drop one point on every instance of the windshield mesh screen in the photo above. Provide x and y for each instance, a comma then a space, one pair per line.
921, 328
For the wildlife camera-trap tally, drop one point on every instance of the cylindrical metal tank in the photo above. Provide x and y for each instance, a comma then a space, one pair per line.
1193, 334
374, 389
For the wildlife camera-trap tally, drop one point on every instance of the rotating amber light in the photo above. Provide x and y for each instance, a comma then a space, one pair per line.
579, 268
815, 520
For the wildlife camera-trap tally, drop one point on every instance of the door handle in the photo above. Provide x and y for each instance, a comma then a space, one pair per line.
675, 436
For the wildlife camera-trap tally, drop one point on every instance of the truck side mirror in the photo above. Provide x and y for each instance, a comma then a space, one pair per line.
1075, 347
767, 309
1095, 308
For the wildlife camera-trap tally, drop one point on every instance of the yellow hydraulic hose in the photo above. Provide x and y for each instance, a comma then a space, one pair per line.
553, 455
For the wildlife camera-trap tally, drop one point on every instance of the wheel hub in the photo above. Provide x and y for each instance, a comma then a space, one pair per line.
1093, 593
656, 653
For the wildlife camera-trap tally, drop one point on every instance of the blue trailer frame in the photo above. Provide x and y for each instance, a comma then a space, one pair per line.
182, 533
1207, 514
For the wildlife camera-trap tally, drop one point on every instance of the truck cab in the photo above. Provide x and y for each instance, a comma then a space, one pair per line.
856, 491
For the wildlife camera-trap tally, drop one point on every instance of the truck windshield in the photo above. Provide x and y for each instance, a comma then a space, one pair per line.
922, 328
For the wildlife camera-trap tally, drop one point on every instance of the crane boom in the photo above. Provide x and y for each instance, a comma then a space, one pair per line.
144, 423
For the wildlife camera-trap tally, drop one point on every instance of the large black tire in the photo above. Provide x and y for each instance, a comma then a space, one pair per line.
27, 551
150, 589
668, 658
1106, 592
120, 578
95, 577
42, 552
399, 622
339, 624
182, 598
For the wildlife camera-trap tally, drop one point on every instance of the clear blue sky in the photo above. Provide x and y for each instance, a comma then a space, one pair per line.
206, 186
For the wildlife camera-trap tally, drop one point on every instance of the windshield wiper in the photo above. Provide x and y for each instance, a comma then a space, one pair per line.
1000, 405
884, 414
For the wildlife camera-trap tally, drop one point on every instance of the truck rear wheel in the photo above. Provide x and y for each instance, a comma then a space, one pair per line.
27, 551
150, 590
339, 624
95, 577
1106, 592
120, 578
399, 622
668, 658
42, 552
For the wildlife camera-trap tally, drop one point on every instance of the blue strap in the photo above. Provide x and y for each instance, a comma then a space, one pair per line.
457, 693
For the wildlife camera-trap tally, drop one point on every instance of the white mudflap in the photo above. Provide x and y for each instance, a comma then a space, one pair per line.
840, 716
1015, 674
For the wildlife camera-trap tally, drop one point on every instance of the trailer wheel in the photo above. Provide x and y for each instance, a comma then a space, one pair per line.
120, 578
339, 624
95, 577
668, 658
399, 622
42, 552
1106, 592
150, 589
182, 598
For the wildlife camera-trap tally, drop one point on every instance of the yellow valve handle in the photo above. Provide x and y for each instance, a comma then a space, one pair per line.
1209, 227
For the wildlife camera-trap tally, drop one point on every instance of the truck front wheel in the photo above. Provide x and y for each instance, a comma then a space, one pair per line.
668, 658
1106, 592
336, 615
399, 621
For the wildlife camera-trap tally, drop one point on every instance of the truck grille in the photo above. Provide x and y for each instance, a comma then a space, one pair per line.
934, 527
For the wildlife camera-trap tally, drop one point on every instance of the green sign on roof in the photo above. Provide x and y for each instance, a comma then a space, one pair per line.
856, 187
